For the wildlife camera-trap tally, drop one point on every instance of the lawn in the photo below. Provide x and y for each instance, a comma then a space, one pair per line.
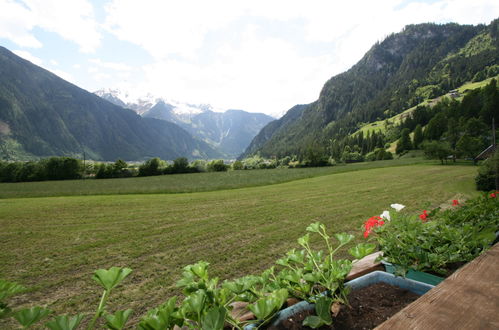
52, 244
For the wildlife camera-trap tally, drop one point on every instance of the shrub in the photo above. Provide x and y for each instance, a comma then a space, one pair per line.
217, 166
487, 173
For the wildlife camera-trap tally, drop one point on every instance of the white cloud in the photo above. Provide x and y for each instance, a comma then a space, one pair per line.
169, 27
197, 60
16, 22
110, 65
258, 75
72, 20
28, 56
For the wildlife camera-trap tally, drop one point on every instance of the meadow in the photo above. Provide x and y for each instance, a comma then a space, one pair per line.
53, 244
182, 183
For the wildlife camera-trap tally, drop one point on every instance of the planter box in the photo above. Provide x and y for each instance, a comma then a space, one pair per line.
415, 275
416, 287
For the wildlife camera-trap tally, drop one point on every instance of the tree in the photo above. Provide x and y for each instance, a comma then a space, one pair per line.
490, 108
436, 150
418, 136
404, 143
150, 167
217, 166
436, 127
469, 146
180, 165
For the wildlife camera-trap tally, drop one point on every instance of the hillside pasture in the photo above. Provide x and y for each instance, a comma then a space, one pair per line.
53, 244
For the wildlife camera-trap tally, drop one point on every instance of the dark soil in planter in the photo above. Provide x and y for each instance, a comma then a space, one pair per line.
369, 307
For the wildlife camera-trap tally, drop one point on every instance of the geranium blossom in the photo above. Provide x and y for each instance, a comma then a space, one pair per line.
423, 216
385, 215
455, 202
372, 222
493, 195
397, 207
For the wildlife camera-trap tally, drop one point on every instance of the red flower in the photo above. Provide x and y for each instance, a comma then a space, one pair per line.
423, 216
493, 195
372, 222
455, 202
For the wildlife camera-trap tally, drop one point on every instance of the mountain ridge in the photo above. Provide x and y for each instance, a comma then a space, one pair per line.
417, 63
43, 115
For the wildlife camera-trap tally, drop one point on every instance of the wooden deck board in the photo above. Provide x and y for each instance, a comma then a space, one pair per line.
468, 299
365, 265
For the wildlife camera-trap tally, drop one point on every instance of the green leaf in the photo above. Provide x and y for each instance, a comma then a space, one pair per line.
29, 316
200, 269
314, 227
118, 320
264, 308
64, 322
111, 277
344, 238
323, 309
163, 317
196, 301
214, 319
8, 289
361, 250
313, 322
303, 241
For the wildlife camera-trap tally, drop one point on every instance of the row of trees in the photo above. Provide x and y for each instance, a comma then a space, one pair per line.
54, 168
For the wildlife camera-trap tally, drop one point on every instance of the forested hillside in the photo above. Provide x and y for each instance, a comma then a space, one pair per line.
42, 115
420, 63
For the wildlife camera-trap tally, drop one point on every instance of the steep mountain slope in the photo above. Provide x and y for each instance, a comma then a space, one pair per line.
274, 128
420, 62
43, 115
228, 132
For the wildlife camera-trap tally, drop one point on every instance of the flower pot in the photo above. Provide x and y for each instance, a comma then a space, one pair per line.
416, 287
414, 274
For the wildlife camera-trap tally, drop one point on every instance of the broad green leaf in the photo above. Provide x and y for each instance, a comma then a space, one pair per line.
323, 309
29, 316
200, 269
303, 241
110, 278
214, 319
362, 250
118, 320
163, 317
262, 308
196, 301
343, 238
64, 322
8, 289
313, 322
314, 227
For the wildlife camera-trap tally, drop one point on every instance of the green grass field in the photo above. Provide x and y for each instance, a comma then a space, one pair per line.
182, 183
53, 244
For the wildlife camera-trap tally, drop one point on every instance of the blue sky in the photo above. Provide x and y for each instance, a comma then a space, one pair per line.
258, 55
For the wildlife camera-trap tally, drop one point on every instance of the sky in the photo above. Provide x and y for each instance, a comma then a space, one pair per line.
255, 55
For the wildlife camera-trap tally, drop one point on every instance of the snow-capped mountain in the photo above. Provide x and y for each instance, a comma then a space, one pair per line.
229, 132
143, 103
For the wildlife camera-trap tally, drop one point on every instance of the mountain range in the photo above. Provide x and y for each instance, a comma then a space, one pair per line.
228, 132
43, 115
421, 62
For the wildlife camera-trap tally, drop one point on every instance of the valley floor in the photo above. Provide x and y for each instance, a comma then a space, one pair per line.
53, 244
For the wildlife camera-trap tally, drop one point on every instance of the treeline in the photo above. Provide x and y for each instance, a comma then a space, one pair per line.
54, 168
67, 168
